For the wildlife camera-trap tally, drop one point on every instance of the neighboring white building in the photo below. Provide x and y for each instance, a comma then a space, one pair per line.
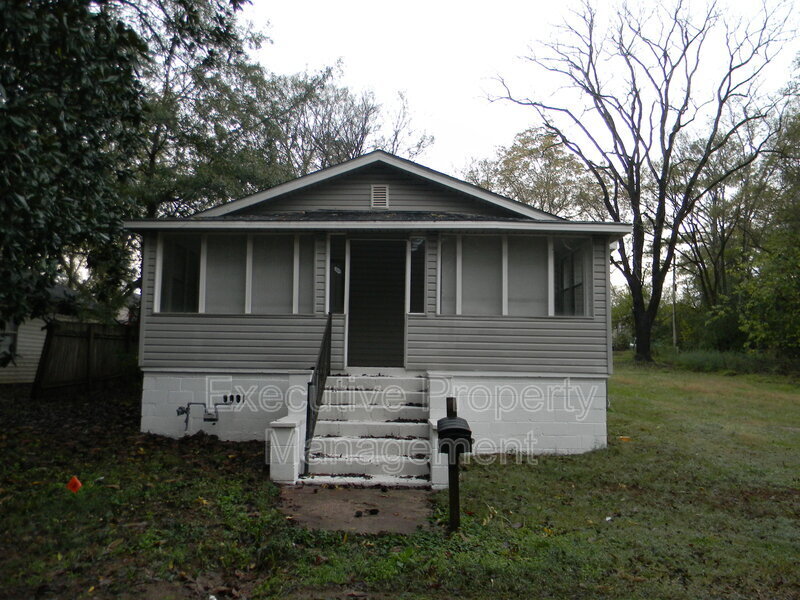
434, 288
28, 338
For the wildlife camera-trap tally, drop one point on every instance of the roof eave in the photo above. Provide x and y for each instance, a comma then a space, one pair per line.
612, 229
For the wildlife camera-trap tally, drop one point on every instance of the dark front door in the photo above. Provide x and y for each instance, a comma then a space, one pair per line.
376, 311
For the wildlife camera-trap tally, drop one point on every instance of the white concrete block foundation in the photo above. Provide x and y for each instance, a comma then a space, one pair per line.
511, 414
246, 404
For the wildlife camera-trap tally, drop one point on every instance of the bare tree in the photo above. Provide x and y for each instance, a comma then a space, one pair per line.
402, 139
336, 124
641, 89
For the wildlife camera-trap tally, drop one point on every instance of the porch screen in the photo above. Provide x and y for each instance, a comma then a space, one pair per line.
337, 279
273, 274
481, 275
226, 264
417, 291
447, 292
527, 276
180, 273
573, 268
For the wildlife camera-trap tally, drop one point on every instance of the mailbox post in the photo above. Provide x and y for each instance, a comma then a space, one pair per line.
455, 438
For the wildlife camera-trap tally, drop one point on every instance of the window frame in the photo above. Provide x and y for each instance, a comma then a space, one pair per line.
551, 277
247, 309
409, 275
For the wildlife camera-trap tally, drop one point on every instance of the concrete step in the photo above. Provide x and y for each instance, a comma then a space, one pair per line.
351, 412
392, 466
383, 397
376, 382
367, 481
370, 429
366, 447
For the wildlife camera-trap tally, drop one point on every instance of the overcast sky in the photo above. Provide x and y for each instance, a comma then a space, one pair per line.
443, 54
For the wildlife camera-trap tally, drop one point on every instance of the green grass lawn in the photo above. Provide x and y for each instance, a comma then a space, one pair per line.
702, 502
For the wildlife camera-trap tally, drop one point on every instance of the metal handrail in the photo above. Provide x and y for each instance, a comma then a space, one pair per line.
316, 387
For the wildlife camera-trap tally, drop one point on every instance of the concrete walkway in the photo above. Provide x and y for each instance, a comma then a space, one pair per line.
359, 510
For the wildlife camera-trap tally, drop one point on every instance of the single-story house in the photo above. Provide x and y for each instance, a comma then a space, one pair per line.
413, 286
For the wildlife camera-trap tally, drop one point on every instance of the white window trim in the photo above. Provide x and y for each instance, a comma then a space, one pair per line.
458, 274
158, 273
504, 277
296, 276
201, 302
551, 279
248, 277
439, 275
327, 273
408, 276
346, 307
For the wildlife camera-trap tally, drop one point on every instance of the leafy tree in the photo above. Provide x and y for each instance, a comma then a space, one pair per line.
537, 169
70, 107
770, 315
642, 91
220, 126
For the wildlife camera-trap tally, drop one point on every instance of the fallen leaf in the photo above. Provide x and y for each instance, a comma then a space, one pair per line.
74, 485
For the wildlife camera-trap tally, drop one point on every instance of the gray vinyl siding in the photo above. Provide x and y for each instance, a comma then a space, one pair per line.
235, 341
352, 192
149, 244
525, 344
337, 342
432, 268
320, 269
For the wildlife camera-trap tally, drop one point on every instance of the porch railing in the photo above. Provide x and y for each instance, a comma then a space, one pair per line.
316, 387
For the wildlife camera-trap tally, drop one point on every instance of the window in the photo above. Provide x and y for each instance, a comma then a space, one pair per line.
447, 278
572, 261
283, 274
417, 291
180, 273
481, 275
282, 279
226, 265
273, 274
508, 275
527, 276
337, 278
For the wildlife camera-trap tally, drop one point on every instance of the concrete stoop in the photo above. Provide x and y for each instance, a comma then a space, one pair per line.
372, 430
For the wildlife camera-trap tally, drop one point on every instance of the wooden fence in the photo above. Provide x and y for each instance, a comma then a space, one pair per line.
83, 354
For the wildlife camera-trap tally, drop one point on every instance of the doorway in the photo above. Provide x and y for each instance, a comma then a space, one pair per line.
377, 300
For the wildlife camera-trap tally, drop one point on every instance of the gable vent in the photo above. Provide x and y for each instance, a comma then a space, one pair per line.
380, 196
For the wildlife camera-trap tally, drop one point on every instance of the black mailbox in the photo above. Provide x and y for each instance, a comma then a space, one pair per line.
454, 434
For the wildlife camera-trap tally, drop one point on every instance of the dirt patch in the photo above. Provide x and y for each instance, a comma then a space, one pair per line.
360, 510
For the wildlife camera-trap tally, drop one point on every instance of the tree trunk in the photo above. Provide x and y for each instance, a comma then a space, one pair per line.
643, 325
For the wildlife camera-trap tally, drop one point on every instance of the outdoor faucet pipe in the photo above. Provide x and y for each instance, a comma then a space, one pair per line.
184, 410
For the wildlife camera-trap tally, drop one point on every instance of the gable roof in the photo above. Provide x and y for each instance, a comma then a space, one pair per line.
379, 156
